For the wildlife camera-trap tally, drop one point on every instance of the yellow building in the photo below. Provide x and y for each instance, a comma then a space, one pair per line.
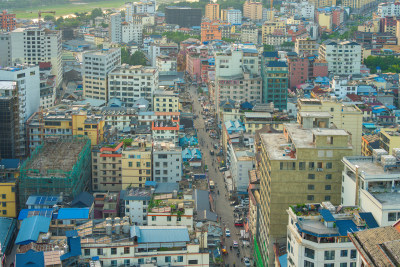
325, 20
346, 117
136, 166
224, 15
322, 3
357, 5
9, 173
300, 165
271, 27
369, 142
252, 10
306, 46
212, 11
370, 26
389, 139
166, 101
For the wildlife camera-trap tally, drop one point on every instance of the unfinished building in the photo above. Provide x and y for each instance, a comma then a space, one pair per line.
57, 167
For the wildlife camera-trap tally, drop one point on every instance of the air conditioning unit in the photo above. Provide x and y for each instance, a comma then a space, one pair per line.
319, 169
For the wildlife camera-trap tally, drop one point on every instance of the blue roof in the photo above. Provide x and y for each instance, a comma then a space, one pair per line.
270, 54
27, 213
74, 245
73, 213
369, 219
31, 259
43, 200
7, 230
10, 163
114, 102
391, 107
31, 228
346, 226
327, 215
283, 260
165, 188
150, 183
276, 64
379, 80
163, 235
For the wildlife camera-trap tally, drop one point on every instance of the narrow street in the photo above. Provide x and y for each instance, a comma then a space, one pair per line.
223, 208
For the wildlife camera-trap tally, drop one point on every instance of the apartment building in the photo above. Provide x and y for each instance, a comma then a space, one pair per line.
306, 47
136, 166
249, 34
306, 158
343, 58
210, 30
360, 6
234, 16
96, 66
166, 65
240, 159
9, 173
373, 183
166, 129
273, 28
35, 45
318, 236
167, 162
183, 16
298, 71
131, 33
135, 203
7, 21
5, 52
130, 83
106, 168
389, 139
389, 9
166, 101
275, 80
212, 11
142, 7
323, 3
253, 10
346, 117
115, 28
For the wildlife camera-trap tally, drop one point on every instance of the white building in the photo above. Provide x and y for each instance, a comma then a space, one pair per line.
115, 28
131, 33
341, 87
240, 160
135, 204
118, 117
166, 65
318, 236
129, 83
249, 34
164, 217
34, 45
47, 91
379, 186
305, 10
167, 162
390, 9
96, 66
342, 58
234, 16
142, 7
276, 39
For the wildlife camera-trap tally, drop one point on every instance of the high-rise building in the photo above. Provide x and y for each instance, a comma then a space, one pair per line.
5, 51
141, 7
131, 32
252, 10
211, 31
249, 34
136, 166
389, 9
183, 16
212, 11
234, 16
7, 21
37, 45
275, 83
96, 66
359, 6
298, 71
167, 162
130, 83
115, 28
300, 165
343, 58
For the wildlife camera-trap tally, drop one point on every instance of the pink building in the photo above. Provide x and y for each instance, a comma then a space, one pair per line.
320, 68
298, 71
194, 57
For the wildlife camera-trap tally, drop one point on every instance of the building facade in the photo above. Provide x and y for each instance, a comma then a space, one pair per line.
183, 16
167, 162
136, 166
7, 21
253, 10
275, 80
343, 58
212, 11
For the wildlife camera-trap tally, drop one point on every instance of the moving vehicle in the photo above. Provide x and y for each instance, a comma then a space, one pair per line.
227, 232
212, 152
246, 262
223, 169
239, 223
212, 185
235, 244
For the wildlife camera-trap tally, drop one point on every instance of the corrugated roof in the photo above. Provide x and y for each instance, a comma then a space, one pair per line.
327, 215
10, 163
31, 258
201, 198
346, 226
7, 229
165, 188
27, 213
31, 228
276, 64
73, 213
163, 234
43, 200
369, 219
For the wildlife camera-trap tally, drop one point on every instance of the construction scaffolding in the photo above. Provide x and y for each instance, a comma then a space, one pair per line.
57, 167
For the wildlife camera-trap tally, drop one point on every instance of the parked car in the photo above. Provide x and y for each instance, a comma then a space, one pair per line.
246, 262
227, 232
245, 202
212, 152
223, 169
240, 206
239, 223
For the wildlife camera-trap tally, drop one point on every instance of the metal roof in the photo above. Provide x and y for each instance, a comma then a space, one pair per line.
43, 200
31, 258
31, 228
27, 213
7, 230
73, 213
327, 215
165, 188
151, 234
369, 219
346, 226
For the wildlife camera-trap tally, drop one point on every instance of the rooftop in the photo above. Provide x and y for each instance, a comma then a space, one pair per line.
142, 69
314, 114
136, 194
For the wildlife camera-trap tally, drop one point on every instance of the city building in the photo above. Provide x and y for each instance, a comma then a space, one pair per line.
166, 101
342, 86
131, 33
48, 48
342, 58
5, 52
252, 10
165, 215
96, 66
249, 34
240, 158
166, 65
9, 173
57, 167
212, 11
234, 16
389, 139
317, 234
373, 183
183, 16
306, 47
7, 21
130, 83
167, 162
106, 205
211, 31
275, 83
369, 142
306, 158
359, 7
298, 71
323, 3
166, 129
273, 28
346, 117
142, 7
135, 203
115, 28
136, 166
106, 168
389, 9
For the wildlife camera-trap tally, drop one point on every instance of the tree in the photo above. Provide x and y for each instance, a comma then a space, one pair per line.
386, 64
49, 18
97, 12
137, 58
104, 25
268, 48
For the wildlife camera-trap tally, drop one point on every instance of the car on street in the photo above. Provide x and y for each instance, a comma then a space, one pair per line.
227, 232
240, 206
212, 152
223, 169
246, 262
239, 223
245, 202
235, 244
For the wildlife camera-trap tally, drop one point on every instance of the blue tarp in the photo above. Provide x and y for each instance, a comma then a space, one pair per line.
327, 215
73, 213
155, 235
369, 219
31, 228
346, 226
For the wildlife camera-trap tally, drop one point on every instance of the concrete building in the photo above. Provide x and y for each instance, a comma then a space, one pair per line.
234, 16
210, 31
166, 101
7, 21
306, 158
249, 34
318, 237
389, 139
360, 6
306, 10
322, 3
142, 7
346, 117
130, 83
298, 71
131, 32
167, 162
390, 9
273, 28
106, 168
9, 173
115, 28
183, 16
5, 52
306, 47
136, 166
342, 58
166, 129
275, 83
166, 65
135, 203
378, 185
212, 11
47, 48
96, 66
252, 10
240, 160
165, 216
341, 87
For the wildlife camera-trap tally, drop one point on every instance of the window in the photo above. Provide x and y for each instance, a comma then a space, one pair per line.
328, 165
329, 265
99, 251
328, 187
3, 196
353, 254
113, 251
4, 212
343, 264
180, 259
4, 204
168, 218
328, 176
308, 264
87, 252
141, 261
329, 140
311, 166
327, 198
311, 176
127, 262
126, 250
113, 263
344, 253
167, 258
130, 164
153, 218
138, 164
302, 166
309, 253
329, 255
393, 216
192, 261
353, 264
